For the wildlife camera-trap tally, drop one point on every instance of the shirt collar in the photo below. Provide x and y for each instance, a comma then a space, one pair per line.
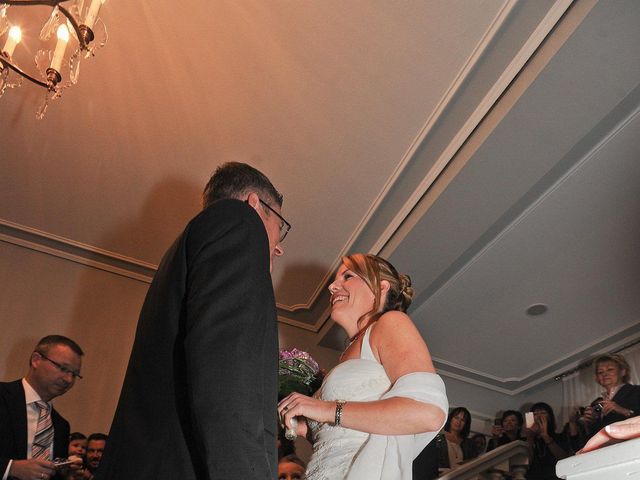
30, 395
613, 392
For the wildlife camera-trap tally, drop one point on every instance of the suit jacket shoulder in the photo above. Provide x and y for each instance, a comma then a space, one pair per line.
13, 422
220, 219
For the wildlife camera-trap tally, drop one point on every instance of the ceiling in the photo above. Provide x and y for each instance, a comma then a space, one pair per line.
488, 148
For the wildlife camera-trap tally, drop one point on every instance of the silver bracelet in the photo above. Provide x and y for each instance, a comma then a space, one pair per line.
339, 405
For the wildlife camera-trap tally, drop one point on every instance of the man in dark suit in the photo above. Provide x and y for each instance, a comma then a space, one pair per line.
199, 396
32, 433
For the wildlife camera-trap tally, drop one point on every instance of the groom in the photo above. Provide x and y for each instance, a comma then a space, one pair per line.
199, 395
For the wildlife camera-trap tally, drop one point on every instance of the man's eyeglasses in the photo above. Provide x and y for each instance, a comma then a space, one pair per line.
284, 226
62, 368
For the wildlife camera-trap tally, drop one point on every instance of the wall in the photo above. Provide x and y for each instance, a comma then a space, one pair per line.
43, 294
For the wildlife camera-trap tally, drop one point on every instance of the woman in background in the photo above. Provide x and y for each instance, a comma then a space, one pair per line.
381, 405
454, 446
508, 430
619, 400
546, 447
479, 443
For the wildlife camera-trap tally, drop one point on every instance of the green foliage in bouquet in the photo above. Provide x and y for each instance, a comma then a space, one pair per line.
297, 372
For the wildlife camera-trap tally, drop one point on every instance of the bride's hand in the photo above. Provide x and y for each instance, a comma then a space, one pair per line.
298, 405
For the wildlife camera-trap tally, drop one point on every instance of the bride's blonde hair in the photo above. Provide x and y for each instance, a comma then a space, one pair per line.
373, 269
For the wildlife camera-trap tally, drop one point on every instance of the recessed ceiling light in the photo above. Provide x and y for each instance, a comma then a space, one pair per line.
537, 309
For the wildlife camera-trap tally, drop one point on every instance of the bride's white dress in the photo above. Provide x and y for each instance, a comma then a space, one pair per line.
336, 449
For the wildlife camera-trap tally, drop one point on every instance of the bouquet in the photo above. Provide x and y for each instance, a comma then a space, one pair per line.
297, 372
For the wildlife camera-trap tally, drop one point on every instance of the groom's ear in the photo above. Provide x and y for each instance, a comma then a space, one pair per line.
253, 200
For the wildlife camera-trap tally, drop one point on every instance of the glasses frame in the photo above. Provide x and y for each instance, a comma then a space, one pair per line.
285, 227
62, 368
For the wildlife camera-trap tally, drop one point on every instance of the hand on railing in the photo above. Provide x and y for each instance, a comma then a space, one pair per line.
624, 430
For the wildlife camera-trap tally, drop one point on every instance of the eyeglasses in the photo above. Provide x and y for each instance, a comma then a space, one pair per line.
62, 368
284, 226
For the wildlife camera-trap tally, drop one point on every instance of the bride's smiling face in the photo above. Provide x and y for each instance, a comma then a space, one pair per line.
350, 298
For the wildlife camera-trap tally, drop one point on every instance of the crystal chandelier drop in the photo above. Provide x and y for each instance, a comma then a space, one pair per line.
57, 64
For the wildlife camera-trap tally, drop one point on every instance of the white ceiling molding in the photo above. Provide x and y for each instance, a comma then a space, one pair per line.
76, 252
450, 93
622, 336
504, 81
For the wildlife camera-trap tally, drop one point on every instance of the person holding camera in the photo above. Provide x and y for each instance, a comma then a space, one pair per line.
546, 446
506, 429
619, 400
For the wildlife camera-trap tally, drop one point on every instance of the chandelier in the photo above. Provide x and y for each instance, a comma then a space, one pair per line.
57, 64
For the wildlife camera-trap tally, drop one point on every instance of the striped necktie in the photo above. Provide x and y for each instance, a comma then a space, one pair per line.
44, 433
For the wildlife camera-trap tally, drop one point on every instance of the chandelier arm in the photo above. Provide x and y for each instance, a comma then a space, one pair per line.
15, 68
50, 3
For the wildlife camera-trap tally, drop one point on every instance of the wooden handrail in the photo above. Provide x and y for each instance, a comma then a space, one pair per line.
503, 459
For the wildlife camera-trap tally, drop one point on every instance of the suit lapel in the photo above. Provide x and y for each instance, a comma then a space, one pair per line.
18, 416
621, 393
59, 438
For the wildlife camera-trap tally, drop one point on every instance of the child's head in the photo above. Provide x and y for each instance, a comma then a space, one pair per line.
77, 444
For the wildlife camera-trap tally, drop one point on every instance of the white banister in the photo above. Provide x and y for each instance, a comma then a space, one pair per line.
511, 459
620, 461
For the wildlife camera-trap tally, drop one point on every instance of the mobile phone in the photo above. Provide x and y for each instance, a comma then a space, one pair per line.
62, 462
497, 422
528, 419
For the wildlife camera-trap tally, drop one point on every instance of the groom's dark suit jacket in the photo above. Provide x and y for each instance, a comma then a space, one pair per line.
199, 396
13, 426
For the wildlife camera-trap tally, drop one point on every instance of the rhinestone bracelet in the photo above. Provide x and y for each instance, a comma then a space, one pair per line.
339, 405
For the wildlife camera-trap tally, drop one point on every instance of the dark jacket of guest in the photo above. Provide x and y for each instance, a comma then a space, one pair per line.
200, 393
467, 446
628, 396
425, 466
13, 426
543, 464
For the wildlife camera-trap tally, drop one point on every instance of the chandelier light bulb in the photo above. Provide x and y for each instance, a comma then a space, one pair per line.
13, 39
61, 46
92, 13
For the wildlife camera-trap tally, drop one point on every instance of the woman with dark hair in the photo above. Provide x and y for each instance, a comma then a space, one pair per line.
383, 403
546, 447
454, 446
507, 431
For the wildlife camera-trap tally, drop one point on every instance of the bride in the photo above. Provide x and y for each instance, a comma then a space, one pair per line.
381, 405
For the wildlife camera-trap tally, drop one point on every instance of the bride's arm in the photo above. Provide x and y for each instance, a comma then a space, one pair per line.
400, 349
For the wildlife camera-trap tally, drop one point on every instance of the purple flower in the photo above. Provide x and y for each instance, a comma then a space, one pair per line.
298, 366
